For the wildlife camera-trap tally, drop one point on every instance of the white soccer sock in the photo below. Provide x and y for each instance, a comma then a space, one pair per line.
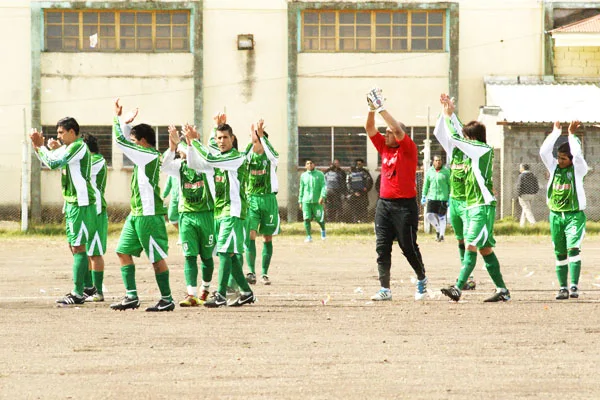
433, 220
442, 225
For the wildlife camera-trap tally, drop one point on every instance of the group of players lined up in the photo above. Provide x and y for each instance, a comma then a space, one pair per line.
472, 205
224, 194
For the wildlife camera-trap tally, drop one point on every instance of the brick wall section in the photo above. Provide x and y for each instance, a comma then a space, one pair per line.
573, 62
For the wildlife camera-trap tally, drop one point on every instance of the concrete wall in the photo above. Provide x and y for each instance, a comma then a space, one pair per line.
577, 62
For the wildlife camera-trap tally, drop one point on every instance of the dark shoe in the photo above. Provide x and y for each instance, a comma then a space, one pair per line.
89, 292
437, 236
217, 300
563, 294
71, 298
126, 303
574, 292
244, 299
162, 305
500, 295
469, 284
251, 278
453, 292
265, 280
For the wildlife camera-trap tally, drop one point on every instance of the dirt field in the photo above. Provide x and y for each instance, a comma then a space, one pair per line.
290, 344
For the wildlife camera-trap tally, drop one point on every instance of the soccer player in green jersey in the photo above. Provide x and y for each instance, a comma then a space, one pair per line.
144, 228
311, 197
566, 200
196, 218
436, 191
230, 208
480, 205
97, 244
75, 163
263, 211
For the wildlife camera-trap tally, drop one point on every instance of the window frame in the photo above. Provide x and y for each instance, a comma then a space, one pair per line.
118, 25
333, 153
337, 34
102, 132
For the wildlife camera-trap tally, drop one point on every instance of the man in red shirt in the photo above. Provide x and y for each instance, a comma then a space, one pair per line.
397, 212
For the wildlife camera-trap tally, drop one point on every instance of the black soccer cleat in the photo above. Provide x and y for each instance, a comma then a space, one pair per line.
70, 299
501, 295
563, 294
244, 299
217, 300
251, 278
453, 292
162, 305
126, 303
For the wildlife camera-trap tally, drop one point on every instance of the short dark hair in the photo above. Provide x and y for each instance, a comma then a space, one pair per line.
144, 131
525, 167
565, 149
475, 130
359, 159
92, 143
68, 123
225, 128
234, 144
307, 160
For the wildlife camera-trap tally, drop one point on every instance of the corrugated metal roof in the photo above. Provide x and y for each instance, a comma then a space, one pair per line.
545, 103
588, 25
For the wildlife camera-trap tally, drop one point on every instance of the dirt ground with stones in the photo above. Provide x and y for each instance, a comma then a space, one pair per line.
313, 333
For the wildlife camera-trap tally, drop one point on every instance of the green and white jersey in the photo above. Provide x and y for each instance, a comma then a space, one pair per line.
171, 187
565, 187
197, 190
99, 172
262, 169
312, 187
145, 189
230, 171
437, 184
75, 163
445, 129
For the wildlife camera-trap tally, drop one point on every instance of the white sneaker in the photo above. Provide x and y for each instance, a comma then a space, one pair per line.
421, 291
382, 295
308, 239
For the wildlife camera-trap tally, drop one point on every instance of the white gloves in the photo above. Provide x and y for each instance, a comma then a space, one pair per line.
375, 100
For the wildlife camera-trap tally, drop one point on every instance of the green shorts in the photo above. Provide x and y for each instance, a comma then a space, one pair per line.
230, 235
80, 223
263, 214
173, 212
144, 232
458, 217
197, 233
480, 227
97, 244
567, 230
313, 211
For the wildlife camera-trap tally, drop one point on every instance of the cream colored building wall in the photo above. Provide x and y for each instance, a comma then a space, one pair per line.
577, 62
15, 95
248, 84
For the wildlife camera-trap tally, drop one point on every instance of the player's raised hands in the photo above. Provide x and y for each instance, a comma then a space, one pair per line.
573, 126
557, 125
190, 133
130, 115
375, 100
53, 144
220, 119
260, 128
173, 137
447, 104
37, 138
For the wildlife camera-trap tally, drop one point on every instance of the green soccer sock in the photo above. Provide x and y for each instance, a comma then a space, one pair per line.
493, 267
190, 271
322, 225
162, 279
224, 273
461, 252
307, 226
88, 281
562, 269
80, 267
574, 266
267, 252
251, 256
469, 261
237, 273
98, 278
208, 267
128, 274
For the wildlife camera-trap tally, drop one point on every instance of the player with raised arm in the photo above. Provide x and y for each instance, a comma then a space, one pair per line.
263, 210
75, 163
196, 218
566, 200
480, 203
230, 208
144, 228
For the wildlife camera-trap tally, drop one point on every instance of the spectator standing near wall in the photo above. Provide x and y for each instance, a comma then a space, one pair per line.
527, 187
335, 178
359, 182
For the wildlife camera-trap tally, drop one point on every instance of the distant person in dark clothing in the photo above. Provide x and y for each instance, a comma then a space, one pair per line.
527, 187
360, 183
335, 179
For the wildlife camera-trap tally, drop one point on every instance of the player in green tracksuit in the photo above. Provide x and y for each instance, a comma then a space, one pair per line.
172, 189
263, 211
98, 240
436, 191
444, 129
144, 228
196, 218
311, 197
230, 208
481, 207
75, 163
566, 200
